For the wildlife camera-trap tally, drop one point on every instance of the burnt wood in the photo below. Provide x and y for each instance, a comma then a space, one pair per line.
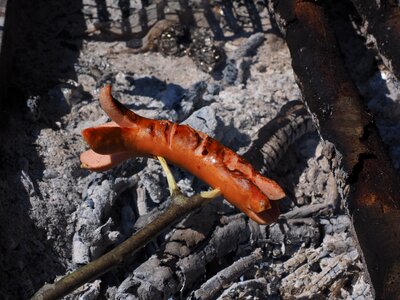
382, 19
373, 199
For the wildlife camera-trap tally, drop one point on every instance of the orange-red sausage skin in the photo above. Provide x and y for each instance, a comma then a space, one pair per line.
189, 149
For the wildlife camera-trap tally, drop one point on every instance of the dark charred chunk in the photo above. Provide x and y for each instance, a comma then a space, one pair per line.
206, 54
174, 40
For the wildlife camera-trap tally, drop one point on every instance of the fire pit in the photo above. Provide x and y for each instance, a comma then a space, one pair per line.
223, 68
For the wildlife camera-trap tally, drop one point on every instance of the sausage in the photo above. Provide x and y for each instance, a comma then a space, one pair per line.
130, 135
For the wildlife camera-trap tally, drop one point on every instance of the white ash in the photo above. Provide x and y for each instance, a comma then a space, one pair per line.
150, 179
277, 90
203, 120
237, 69
190, 266
334, 263
93, 232
258, 288
69, 92
249, 47
215, 284
317, 185
187, 184
89, 291
192, 100
57, 147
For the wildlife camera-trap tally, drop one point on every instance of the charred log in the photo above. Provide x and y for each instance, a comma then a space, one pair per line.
374, 199
382, 19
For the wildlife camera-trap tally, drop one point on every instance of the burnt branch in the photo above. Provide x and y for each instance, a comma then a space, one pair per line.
374, 199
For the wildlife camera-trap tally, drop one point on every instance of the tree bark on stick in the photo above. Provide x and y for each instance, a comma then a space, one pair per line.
374, 199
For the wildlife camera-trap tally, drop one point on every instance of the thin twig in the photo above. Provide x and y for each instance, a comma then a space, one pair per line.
180, 206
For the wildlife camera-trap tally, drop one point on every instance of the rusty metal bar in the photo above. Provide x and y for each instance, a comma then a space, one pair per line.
382, 19
374, 199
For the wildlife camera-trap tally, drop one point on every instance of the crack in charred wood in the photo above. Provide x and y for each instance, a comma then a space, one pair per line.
331, 96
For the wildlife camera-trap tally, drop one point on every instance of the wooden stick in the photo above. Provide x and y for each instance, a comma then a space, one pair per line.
179, 207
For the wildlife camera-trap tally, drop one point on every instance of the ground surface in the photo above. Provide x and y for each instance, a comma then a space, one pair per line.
55, 216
